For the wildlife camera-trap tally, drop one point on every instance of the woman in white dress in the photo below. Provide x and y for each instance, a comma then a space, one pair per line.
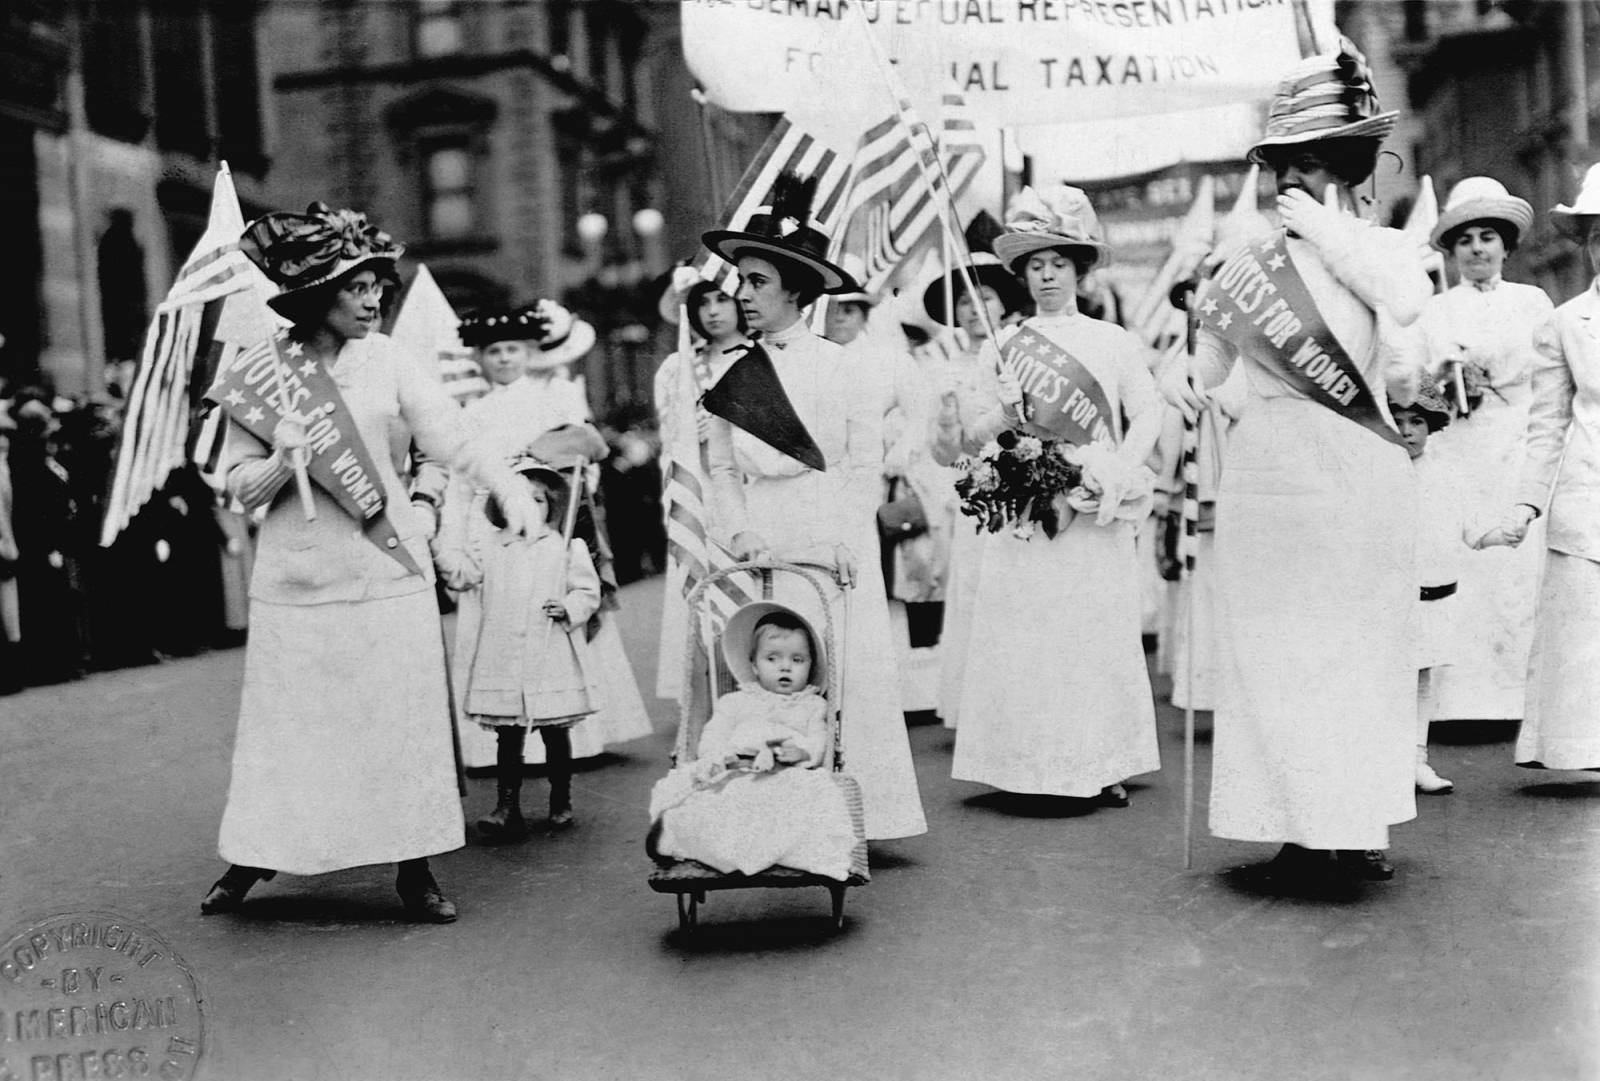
718, 324
522, 351
343, 755
957, 385
1561, 729
1056, 698
1483, 331
793, 491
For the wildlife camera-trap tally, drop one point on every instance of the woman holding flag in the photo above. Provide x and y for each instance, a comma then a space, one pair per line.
343, 756
792, 446
1055, 699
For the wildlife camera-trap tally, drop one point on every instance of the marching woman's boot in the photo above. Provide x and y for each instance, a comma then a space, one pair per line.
227, 893
505, 822
420, 893
558, 760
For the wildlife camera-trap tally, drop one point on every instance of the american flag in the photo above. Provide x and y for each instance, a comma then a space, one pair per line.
904, 184
190, 326
787, 149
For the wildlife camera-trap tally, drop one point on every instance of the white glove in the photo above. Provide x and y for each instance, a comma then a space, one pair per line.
1183, 392
1010, 388
289, 442
1311, 220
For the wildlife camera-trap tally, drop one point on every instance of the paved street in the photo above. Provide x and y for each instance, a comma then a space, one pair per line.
1017, 939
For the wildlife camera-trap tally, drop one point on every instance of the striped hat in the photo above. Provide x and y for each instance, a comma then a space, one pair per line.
1325, 97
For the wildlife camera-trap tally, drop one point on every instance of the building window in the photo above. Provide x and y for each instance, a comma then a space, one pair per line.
181, 79
115, 96
438, 28
447, 193
558, 26
237, 84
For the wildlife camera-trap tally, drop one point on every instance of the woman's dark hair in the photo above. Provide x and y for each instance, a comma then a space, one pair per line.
782, 621
795, 277
555, 500
1506, 231
1082, 262
1351, 160
697, 295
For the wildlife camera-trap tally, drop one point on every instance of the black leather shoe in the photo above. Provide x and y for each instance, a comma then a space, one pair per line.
1372, 865
227, 893
502, 825
424, 901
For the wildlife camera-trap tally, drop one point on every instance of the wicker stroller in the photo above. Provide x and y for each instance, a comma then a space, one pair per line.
706, 678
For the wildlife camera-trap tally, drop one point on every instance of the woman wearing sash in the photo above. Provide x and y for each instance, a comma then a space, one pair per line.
958, 385
1056, 699
719, 327
343, 755
1483, 330
1561, 477
1316, 590
789, 477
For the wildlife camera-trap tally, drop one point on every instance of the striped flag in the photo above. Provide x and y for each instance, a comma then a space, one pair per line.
189, 327
684, 486
423, 322
787, 149
903, 180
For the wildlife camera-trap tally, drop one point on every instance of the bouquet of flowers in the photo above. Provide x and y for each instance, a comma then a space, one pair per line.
1021, 481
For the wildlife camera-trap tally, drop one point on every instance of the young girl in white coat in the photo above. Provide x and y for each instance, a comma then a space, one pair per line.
529, 666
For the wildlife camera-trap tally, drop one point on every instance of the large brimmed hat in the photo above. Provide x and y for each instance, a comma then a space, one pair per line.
1329, 96
1062, 218
781, 232
298, 252
1481, 198
985, 269
741, 628
558, 336
1573, 221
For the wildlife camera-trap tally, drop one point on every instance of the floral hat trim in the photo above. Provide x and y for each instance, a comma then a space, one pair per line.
302, 251
1064, 220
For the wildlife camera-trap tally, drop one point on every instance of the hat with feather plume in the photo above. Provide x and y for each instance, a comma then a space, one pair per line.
782, 232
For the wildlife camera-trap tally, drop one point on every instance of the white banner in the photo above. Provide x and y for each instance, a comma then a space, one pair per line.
1018, 62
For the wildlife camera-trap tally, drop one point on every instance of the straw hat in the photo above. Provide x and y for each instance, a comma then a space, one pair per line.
1573, 221
1325, 97
1481, 198
559, 336
782, 232
303, 251
740, 632
1062, 219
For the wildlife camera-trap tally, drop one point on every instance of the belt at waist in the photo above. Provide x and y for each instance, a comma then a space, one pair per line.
1438, 593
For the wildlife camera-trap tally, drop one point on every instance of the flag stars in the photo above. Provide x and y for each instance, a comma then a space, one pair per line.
309, 368
1276, 262
1225, 320
1209, 306
235, 398
294, 349
253, 415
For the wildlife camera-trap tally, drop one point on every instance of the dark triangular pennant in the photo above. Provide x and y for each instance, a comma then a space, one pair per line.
751, 397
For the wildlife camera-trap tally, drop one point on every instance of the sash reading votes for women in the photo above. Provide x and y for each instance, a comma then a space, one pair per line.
1259, 302
1064, 400
248, 390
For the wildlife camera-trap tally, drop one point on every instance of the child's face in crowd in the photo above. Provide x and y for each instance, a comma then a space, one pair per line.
1413, 430
503, 362
541, 499
782, 660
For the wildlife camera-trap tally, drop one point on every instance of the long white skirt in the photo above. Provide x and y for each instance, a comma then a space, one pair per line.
343, 753
1314, 738
961, 591
1057, 699
877, 752
1562, 727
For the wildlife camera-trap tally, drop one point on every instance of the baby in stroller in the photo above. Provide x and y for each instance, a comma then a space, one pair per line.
754, 797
